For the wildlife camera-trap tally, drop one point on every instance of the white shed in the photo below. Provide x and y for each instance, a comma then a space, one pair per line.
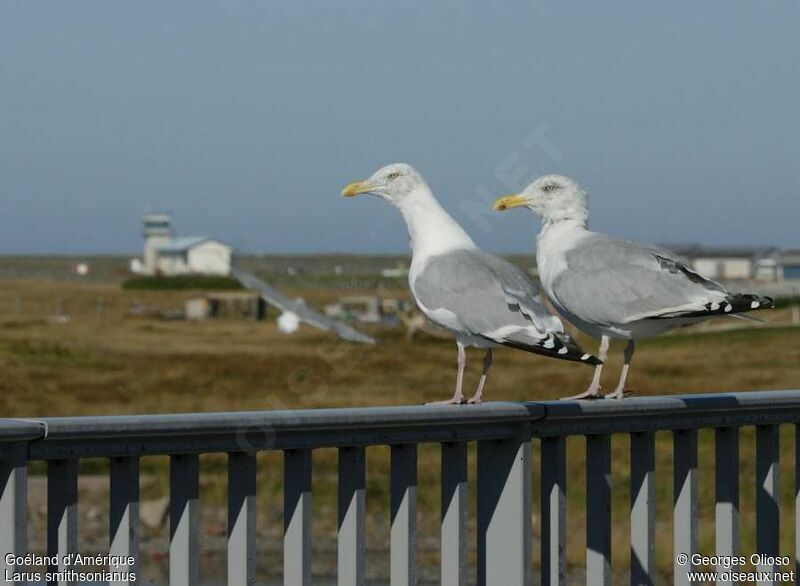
724, 265
169, 256
194, 255
733, 264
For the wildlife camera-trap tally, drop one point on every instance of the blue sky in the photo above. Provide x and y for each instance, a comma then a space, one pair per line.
245, 118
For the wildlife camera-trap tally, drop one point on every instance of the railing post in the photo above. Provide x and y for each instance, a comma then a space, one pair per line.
504, 512
62, 512
685, 502
797, 498
554, 510
297, 518
403, 495
598, 510
768, 518
242, 470
13, 503
454, 514
643, 514
124, 514
352, 505
727, 495
184, 523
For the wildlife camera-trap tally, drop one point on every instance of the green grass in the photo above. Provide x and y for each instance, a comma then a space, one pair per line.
46, 351
784, 302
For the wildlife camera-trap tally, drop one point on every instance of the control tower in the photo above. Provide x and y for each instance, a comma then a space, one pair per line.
157, 232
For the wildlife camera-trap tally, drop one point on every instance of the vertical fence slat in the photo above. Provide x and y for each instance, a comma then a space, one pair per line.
124, 514
242, 471
183, 519
598, 510
352, 504
797, 498
297, 518
504, 512
727, 495
685, 501
768, 517
643, 509
62, 511
554, 511
403, 496
13, 504
454, 514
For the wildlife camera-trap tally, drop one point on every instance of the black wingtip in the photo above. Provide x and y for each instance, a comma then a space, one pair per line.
593, 360
742, 302
555, 345
568, 349
732, 304
766, 302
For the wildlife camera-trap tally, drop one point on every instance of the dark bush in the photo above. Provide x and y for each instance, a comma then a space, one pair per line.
182, 283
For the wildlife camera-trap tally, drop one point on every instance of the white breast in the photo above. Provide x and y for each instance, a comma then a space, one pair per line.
552, 246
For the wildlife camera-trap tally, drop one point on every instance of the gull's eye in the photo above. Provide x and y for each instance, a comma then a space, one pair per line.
551, 187
393, 175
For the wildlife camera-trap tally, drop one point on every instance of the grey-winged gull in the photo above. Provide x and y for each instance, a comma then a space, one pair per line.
480, 298
612, 288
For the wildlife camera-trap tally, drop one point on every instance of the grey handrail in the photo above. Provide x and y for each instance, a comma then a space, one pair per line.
503, 433
309, 428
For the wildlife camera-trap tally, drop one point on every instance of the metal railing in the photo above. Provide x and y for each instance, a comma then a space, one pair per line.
504, 434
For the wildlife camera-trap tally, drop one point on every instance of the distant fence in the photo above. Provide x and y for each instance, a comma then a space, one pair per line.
504, 432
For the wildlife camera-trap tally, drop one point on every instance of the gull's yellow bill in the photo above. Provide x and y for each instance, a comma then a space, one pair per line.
357, 188
508, 201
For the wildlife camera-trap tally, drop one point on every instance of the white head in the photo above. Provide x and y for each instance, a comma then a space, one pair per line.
394, 183
430, 228
552, 197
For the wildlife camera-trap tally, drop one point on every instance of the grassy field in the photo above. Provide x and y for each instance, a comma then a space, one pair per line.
74, 349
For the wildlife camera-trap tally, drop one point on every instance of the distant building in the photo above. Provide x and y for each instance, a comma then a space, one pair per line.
157, 232
169, 256
733, 264
401, 270
369, 309
226, 305
790, 265
363, 308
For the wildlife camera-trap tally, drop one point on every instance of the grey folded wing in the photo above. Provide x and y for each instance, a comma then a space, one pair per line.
485, 293
609, 281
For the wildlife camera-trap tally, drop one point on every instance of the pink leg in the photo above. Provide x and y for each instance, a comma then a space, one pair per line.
477, 399
619, 392
458, 396
593, 392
